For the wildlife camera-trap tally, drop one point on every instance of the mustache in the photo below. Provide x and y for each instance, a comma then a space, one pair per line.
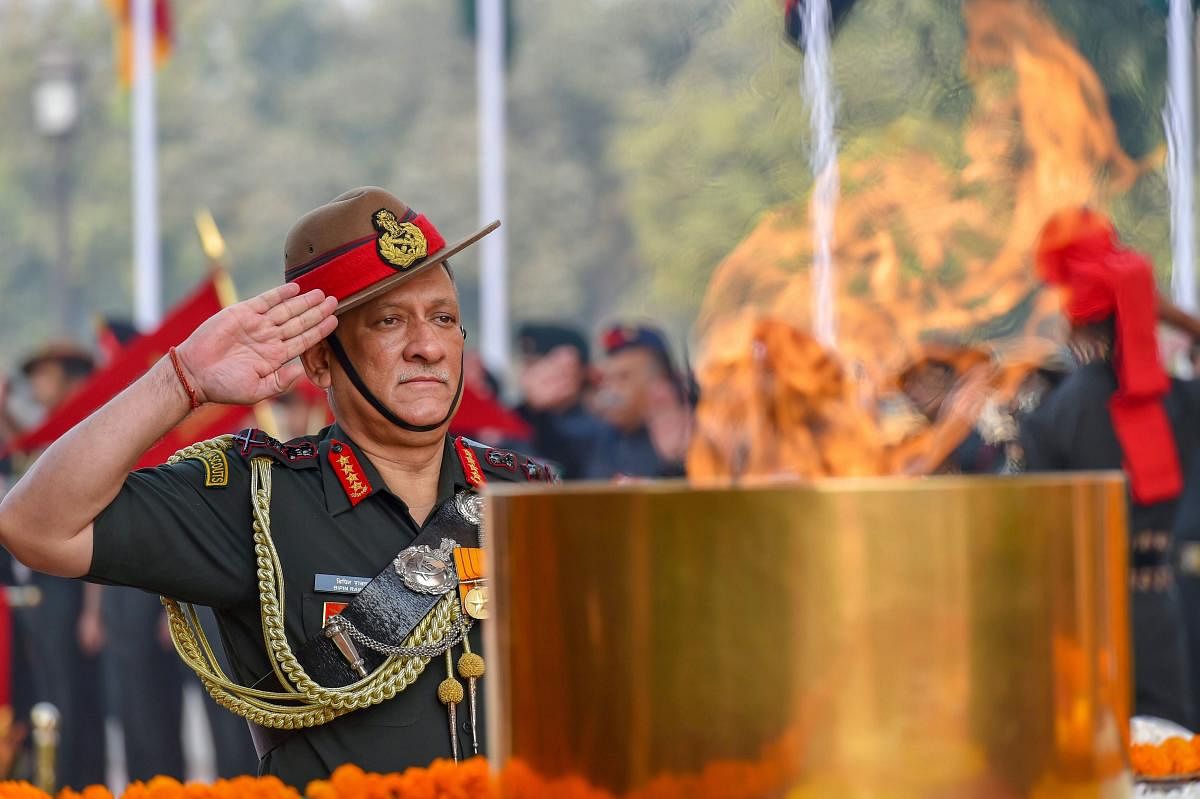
435, 374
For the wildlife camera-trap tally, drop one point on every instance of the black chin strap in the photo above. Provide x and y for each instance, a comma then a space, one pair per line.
383, 410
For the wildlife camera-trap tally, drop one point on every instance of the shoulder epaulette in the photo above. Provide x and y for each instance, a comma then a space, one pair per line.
500, 464
211, 454
297, 453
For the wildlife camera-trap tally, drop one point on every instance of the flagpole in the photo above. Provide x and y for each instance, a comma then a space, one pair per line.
1181, 149
489, 84
147, 281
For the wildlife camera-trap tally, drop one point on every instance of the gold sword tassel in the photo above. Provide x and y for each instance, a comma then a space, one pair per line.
471, 667
450, 692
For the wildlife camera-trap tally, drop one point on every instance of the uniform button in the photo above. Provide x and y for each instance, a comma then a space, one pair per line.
337, 447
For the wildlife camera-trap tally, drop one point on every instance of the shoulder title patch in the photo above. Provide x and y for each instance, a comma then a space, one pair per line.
211, 453
349, 472
216, 468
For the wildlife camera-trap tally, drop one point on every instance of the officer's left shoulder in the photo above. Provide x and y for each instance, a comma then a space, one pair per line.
482, 463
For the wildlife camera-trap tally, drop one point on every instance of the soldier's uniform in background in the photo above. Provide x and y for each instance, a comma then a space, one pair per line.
46, 636
1187, 563
184, 531
1120, 410
232, 747
67, 677
1073, 430
147, 683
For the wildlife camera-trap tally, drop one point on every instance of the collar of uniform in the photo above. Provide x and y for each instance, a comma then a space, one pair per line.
336, 499
451, 479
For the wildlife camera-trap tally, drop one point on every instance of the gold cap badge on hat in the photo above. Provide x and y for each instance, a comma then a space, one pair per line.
400, 244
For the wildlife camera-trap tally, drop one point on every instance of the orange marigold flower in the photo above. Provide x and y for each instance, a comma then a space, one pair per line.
251, 788
1172, 757
21, 790
90, 792
195, 790
1179, 753
157, 788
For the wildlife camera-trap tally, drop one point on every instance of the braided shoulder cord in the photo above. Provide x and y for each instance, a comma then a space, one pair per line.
302, 702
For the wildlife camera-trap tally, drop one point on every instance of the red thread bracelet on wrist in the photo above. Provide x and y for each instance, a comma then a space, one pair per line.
191, 392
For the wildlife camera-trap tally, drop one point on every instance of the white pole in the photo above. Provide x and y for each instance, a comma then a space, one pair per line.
1181, 152
493, 282
817, 87
147, 281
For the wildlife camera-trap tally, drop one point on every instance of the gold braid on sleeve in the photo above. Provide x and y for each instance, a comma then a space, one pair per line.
302, 702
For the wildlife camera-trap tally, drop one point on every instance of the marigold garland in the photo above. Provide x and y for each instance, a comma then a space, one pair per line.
773, 772
165, 788
443, 779
1174, 757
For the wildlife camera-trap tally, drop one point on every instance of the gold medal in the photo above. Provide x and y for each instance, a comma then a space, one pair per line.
476, 602
472, 590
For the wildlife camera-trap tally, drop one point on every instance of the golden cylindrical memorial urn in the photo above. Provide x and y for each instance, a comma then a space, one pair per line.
927, 638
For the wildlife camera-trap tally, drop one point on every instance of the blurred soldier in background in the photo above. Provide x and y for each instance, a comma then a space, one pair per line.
642, 397
554, 377
301, 411
1120, 410
937, 385
59, 635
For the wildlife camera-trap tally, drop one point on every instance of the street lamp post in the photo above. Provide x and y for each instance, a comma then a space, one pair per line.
56, 113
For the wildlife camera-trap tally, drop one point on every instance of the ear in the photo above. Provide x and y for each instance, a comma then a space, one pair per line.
317, 360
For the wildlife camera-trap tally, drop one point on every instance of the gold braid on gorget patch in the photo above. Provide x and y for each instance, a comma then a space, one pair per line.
302, 702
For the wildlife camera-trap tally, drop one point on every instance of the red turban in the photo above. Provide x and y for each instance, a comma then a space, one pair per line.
1079, 249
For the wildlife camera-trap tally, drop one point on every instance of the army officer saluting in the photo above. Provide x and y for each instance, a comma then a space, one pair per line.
343, 567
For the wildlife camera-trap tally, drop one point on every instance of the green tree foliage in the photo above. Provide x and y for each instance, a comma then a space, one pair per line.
646, 138
729, 140
267, 109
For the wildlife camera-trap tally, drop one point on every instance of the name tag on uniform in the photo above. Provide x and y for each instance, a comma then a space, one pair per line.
339, 584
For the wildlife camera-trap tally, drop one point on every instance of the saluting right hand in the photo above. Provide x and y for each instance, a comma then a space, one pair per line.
242, 354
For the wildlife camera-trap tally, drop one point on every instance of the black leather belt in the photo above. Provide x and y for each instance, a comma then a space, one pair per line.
388, 609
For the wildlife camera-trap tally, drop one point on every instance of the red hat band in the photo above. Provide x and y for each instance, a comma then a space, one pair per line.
399, 245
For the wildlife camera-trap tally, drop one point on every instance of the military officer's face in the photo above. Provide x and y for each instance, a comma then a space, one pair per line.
408, 348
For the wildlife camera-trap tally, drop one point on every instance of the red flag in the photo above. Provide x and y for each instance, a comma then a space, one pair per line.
122, 11
108, 346
207, 422
129, 364
484, 416
112, 334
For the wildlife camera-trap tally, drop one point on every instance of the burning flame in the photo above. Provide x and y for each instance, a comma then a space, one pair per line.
796, 410
920, 246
